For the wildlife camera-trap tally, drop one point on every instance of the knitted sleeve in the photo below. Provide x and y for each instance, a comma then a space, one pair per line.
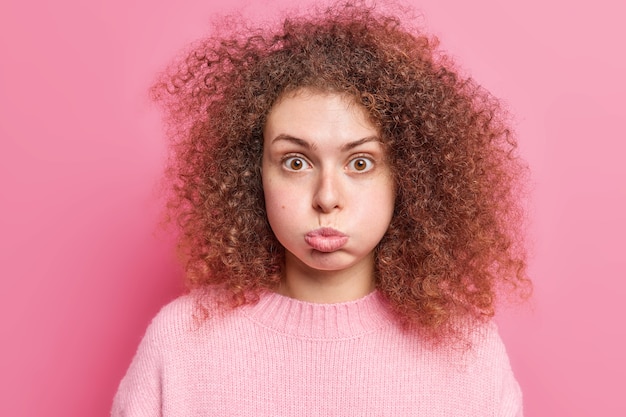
509, 403
139, 393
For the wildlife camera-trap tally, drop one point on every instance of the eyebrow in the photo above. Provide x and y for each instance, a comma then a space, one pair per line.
351, 145
348, 146
288, 138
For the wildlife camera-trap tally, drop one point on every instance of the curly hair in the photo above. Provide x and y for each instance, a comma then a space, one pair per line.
455, 234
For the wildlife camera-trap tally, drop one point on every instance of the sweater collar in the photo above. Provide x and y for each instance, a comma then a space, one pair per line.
307, 320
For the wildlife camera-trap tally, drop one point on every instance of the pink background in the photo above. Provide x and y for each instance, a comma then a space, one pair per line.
84, 267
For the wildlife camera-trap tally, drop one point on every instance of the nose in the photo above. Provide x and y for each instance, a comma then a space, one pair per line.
328, 193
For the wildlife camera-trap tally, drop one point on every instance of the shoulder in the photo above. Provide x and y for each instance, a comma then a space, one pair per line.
192, 318
479, 346
485, 337
477, 367
479, 355
174, 317
179, 320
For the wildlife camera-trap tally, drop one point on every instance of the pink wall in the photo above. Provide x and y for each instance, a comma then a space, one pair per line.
83, 270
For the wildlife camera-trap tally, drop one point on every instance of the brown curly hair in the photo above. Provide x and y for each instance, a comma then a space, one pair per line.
454, 238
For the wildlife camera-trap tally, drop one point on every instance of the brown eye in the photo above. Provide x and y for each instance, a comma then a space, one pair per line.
295, 163
361, 164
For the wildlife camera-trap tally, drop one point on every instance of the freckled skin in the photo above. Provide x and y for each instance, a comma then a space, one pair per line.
324, 167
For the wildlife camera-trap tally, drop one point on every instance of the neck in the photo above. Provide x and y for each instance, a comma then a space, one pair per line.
325, 287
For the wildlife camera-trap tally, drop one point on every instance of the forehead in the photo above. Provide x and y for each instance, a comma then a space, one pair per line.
312, 115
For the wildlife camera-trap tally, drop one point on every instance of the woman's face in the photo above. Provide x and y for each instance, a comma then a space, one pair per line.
329, 191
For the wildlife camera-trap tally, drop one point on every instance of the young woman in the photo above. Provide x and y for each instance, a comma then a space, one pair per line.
348, 216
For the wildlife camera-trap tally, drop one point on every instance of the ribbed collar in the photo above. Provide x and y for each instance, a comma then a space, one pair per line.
306, 320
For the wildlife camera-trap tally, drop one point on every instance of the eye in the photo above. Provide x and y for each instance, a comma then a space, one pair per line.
295, 163
361, 164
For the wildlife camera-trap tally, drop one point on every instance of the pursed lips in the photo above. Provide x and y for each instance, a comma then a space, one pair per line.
326, 239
